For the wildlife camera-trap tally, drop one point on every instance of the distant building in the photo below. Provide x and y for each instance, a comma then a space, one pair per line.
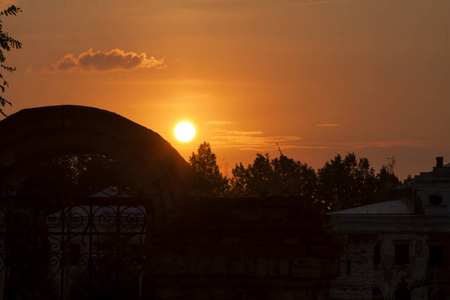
398, 249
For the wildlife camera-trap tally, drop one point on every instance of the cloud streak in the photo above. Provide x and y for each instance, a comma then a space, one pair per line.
374, 144
250, 140
217, 122
257, 141
116, 59
320, 2
328, 125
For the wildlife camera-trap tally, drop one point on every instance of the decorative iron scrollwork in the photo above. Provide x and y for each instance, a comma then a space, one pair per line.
86, 250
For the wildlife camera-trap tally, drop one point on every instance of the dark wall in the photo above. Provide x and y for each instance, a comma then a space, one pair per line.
260, 249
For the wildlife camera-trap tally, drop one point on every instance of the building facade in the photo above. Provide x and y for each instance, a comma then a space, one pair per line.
398, 249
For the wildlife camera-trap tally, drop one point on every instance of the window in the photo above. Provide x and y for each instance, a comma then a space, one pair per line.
376, 255
401, 254
436, 256
435, 199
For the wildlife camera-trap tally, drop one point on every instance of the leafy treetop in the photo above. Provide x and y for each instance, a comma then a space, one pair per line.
281, 176
346, 182
208, 181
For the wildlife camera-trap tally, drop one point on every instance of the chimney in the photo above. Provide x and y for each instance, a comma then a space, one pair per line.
439, 162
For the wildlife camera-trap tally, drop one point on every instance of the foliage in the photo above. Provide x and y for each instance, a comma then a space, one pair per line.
208, 181
281, 176
6, 44
408, 179
345, 183
255, 180
340, 184
293, 178
386, 181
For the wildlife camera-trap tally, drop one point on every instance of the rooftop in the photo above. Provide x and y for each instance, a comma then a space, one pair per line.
395, 207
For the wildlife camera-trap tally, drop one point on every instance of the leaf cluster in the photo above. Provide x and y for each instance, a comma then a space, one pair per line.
6, 44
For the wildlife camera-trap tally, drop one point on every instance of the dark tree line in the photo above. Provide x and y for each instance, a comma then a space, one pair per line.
343, 182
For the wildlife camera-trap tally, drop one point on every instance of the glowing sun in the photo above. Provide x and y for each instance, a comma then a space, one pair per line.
184, 132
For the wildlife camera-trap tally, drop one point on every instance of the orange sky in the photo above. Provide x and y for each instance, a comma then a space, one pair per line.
318, 77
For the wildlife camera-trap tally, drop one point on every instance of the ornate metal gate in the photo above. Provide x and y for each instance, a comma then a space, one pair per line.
89, 248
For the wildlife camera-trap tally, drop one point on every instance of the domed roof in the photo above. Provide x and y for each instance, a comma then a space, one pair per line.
32, 136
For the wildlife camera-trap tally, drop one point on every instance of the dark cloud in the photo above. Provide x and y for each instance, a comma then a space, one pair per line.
113, 60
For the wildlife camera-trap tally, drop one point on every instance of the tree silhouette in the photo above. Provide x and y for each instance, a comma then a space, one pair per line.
386, 181
208, 181
293, 178
6, 44
345, 183
340, 184
281, 176
259, 182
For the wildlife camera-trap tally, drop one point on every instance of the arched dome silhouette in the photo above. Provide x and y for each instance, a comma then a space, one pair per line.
32, 136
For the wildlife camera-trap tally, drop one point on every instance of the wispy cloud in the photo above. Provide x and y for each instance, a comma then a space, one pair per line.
116, 59
251, 140
320, 2
258, 141
217, 122
374, 144
328, 125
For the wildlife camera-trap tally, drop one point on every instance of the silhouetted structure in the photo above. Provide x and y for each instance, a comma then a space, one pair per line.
156, 243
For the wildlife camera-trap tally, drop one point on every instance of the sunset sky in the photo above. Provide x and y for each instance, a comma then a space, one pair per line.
318, 77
